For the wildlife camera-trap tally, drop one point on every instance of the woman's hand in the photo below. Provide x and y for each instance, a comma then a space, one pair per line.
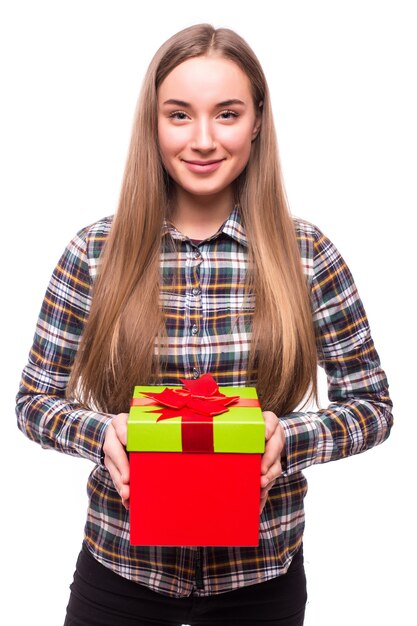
271, 467
115, 457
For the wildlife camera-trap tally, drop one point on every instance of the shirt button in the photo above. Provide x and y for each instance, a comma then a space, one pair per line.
194, 330
196, 373
196, 291
197, 254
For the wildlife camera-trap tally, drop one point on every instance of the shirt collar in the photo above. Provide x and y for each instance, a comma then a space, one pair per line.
232, 227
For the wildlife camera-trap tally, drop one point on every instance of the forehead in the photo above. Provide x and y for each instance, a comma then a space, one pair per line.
206, 78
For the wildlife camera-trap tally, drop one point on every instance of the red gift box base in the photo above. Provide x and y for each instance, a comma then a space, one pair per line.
187, 499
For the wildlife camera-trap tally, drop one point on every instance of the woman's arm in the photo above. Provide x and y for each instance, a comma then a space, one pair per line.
43, 413
359, 415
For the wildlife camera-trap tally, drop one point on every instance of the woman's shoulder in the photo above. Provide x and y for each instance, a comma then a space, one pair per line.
304, 228
317, 251
311, 238
93, 237
97, 230
308, 235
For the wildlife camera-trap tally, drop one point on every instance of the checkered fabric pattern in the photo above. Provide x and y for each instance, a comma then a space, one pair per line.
208, 321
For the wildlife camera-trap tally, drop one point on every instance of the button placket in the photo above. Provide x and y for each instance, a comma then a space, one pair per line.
194, 313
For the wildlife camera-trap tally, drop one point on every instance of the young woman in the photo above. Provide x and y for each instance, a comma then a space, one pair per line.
201, 270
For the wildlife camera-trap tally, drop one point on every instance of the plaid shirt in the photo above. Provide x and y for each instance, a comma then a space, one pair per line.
208, 320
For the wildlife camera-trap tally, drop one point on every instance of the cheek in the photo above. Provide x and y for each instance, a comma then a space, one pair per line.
238, 144
168, 139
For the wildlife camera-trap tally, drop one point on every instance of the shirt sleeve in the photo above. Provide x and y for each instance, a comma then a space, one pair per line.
359, 414
43, 413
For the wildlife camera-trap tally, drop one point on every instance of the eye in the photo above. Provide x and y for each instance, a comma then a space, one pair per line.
178, 115
228, 115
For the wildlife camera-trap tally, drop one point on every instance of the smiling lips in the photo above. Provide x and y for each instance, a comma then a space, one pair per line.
203, 167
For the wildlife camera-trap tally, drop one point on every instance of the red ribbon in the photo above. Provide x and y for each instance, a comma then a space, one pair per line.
196, 403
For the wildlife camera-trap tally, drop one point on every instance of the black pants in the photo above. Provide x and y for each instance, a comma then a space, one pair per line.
99, 597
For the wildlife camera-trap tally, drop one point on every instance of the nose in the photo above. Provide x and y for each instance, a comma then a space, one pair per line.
203, 140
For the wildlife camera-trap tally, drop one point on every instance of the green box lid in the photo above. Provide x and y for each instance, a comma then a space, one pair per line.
240, 429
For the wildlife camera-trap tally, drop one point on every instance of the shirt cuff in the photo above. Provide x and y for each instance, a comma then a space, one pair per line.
302, 436
91, 432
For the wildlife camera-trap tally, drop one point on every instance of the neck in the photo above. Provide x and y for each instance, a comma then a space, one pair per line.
199, 217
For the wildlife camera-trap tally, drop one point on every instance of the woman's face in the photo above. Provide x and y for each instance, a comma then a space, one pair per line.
206, 124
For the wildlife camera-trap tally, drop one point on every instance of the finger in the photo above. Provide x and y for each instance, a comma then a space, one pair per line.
114, 450
271, 422
274, 471
120, 426
265, 490
265, 494
125, 495
273, 448
272, 452
114, 475
262, 504
122, 489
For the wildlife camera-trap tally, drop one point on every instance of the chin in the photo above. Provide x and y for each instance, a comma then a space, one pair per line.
206, 189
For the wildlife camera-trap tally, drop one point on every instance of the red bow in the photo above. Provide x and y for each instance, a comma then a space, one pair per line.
196, 404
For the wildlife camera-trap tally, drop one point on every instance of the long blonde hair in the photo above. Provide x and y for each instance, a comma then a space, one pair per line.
125, 325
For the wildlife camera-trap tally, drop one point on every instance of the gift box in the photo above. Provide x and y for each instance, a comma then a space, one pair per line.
195, 456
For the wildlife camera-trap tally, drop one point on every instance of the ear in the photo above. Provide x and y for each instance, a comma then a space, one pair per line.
258, 121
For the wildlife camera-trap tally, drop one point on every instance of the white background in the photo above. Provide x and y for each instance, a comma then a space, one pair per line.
342, 77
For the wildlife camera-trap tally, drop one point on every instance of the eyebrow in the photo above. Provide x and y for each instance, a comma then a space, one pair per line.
225, 103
